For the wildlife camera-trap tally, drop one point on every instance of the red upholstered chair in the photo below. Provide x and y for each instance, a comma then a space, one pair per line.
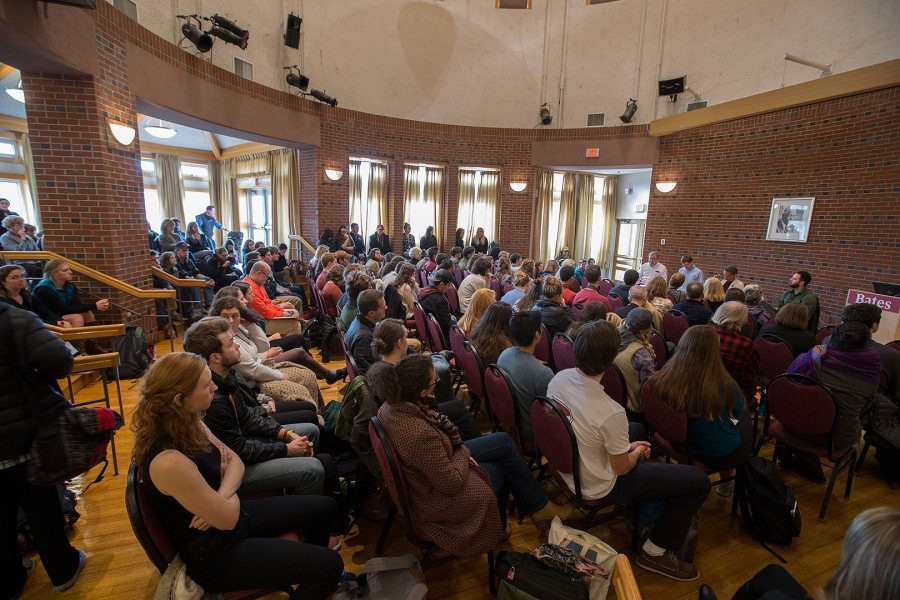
895, 345
775, 357
563, 352
576, 310
823, 333
542, 352
506, 287
615, 302
675, 325
352, 370
604, 286
453, 299
395, 482
659, 349
472, 369
457, 339
157, 543
502, 402
804, 414
438, 344
422, 325
459, 275
614, 385
495, 285
556, 442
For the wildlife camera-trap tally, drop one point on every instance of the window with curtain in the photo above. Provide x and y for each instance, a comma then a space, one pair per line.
422, 193
479, 192
152, 204
599, 224
553, 229
368, 194
14, 180
196, 188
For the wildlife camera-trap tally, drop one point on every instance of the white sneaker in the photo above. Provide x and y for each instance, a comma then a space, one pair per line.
725, 489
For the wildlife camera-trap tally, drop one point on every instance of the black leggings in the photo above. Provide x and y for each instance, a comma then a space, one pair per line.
295, 411
261, 560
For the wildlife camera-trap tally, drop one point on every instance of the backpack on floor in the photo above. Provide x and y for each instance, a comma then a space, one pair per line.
524, 577
769, 510
134, 354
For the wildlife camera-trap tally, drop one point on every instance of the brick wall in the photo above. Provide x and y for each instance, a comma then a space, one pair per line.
843, 152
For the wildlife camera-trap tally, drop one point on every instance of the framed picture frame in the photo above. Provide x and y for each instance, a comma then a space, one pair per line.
789, 219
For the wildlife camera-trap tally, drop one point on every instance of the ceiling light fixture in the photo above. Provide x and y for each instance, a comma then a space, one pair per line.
162, 130
124, 134
17, 93
665, 186
334, 174
518, 186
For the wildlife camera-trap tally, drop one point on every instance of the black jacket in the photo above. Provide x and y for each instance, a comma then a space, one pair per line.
554, 316
436, 303
233, 418
621, 291
47, 294
800, 340
34, 305
359, 342
695, 311
187, 268
359, 244
30, 347
427, 241
383, 243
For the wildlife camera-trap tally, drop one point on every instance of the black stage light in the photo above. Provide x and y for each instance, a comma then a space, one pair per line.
200, 39
546, 117
298, 81
630, 109
240, 34
323, 97
228, 37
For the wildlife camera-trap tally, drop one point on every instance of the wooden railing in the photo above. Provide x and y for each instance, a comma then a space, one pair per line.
135, 292
302, 240
176, 282
89, 332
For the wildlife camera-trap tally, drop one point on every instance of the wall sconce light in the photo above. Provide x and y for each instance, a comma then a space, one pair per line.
518, 186
334, 174
665, 186
124, 134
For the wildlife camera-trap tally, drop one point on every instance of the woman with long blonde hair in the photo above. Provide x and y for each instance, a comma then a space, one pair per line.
191, 480
713, 293
657, 295
481, 299
695, 382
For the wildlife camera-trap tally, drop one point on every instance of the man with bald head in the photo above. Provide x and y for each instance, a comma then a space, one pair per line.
280, 318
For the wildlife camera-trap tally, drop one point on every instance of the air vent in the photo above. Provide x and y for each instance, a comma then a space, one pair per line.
697, 105
243, 68
128, 7
596, 119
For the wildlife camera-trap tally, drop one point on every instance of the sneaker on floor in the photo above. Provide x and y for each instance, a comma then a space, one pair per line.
82, 558
725, 489
668, 565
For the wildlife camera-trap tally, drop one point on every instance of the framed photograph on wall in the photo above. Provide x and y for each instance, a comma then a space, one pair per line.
789, 219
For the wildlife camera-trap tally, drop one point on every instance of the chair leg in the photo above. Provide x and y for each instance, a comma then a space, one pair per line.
492, 573
831, 481
385, 530
635, 527
862, 457
734, 497
851, 468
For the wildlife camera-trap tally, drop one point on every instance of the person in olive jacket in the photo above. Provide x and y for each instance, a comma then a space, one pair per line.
31, 360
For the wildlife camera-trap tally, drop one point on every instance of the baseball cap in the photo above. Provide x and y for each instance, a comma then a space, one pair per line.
182, 244
441, 276
639, 319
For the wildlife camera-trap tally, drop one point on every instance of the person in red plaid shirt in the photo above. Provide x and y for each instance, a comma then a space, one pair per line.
737, 351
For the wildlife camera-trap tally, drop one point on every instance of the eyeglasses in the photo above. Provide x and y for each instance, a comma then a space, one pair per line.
436, 381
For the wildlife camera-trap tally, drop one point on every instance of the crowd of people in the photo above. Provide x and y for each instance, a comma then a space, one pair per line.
240, 410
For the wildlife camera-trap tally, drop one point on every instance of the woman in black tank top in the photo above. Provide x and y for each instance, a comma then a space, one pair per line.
191, 480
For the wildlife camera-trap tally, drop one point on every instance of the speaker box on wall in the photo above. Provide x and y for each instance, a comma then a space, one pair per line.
292, 31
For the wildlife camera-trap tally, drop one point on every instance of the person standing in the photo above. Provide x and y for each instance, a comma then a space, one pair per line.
207, 222
652, 268
33, 359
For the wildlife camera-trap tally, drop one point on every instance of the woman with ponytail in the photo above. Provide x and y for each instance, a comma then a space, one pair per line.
458, 490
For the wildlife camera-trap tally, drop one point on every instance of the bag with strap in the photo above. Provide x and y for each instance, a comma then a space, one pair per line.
524, 577
769, 510
590, 548
72, 443
134, 354
386, 578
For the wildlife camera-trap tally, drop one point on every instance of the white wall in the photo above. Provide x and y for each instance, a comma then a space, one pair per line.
639, 183
465, 62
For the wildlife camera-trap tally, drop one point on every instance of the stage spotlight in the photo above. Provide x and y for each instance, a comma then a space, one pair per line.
630, 109
229, 32
323, 97
301, 82
546, 117
199, 38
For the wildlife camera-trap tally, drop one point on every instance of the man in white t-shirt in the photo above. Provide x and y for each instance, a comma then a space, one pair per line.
652, 268
610, 454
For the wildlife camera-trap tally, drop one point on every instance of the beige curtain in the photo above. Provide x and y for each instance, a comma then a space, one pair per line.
465, 217
357, 212
31, 179
411, 201
608, 207
582, 220
285, 174
543, 204
222, 191
488, 205
378, 201
171, 187
567, 213
434, 195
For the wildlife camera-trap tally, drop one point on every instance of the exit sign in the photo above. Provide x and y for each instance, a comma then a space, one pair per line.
592, 153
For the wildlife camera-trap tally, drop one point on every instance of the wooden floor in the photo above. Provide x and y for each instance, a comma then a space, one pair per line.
118, 568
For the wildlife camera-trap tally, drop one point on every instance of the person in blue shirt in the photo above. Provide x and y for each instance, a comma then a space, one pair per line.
207, 222
690, 271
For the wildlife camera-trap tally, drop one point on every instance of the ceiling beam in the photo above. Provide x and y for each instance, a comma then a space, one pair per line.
6, 71
214, 145
248, 148
13, 124
176, 151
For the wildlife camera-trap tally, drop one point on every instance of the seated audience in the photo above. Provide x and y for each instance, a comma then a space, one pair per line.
521, 285
250, 246
790, 328
192, 480
637, 298
528, 376
504, 272
430, 260
322, 269
652, 268
491, 334
405, 284
358, 339
14, 291
689, 273
390, 270
729, 278
480, 242
674, 292
344, 241
693, 308
220, 269
167, 236
60, 296
569, 284
379, 241
629, 279
554, 316
800, 293
468, 255
356, 282
460, 237
15, 240
332, 292
458, 490
713, 293
480, 302
636, 358
531, 297
434, 299
657, 296
695, 382
594, 311
187, 269
407, 240
590, 293
198, 244
758, 309
280, 318
476, 280
738, 353
610, 455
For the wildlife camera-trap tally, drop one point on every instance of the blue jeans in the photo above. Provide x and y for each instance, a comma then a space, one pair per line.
496, 453
297, 474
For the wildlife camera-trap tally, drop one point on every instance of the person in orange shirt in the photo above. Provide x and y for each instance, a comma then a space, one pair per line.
280, 318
